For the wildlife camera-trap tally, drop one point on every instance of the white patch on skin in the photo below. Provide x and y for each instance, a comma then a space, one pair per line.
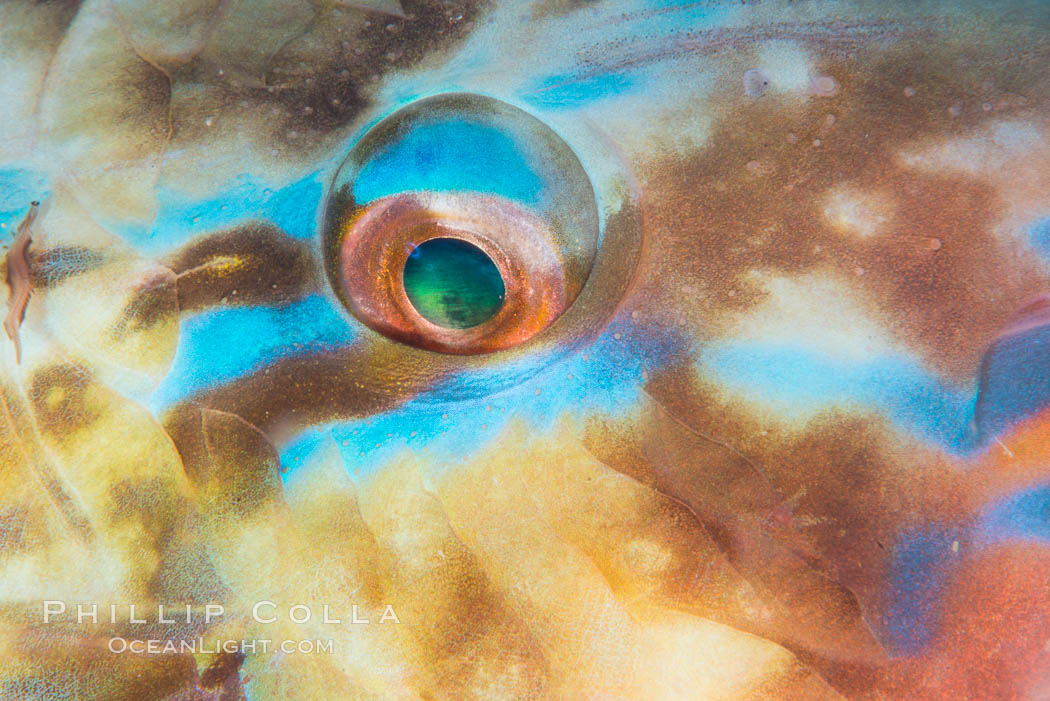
818, 314
818, 311
1012, 156
857, 212
998, 146
787, 66
647, 556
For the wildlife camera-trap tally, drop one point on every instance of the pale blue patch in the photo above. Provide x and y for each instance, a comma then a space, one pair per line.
799, 379
1039, 237
452, 155
221, 345
307, 446
294, 208
19, 187
1024, 515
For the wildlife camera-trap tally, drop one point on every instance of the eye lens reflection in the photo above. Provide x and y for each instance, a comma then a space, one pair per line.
452, 283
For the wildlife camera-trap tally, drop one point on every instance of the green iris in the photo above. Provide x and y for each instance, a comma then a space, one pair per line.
453, 283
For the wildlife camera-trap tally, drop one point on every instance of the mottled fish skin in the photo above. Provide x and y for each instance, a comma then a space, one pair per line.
764, 412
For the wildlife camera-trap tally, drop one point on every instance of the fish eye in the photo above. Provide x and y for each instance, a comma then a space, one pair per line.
460, 224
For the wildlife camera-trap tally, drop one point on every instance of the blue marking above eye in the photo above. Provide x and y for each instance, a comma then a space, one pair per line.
443, 156
565, 91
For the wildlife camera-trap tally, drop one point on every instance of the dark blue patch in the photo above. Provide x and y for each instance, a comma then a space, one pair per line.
919, 567
1014, 382
1023, 515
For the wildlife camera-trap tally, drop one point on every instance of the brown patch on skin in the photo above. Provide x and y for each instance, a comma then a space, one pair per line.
254, 263
163, 519
960, 293
147, 87
853, 485
51, 267
183, 424
714, 221
52, 664
183, 572
150, 500
389, 43
320, 81
293, 393
180, 548
234, 466
19, 281
784, 592
223, 674
151, 303
59, 398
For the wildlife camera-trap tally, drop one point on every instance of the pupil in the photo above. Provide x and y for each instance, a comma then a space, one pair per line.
453, 283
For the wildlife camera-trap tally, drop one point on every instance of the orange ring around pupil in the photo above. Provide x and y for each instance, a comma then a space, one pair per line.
378, 240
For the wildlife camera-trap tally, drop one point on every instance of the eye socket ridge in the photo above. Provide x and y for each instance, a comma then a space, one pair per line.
563, 238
